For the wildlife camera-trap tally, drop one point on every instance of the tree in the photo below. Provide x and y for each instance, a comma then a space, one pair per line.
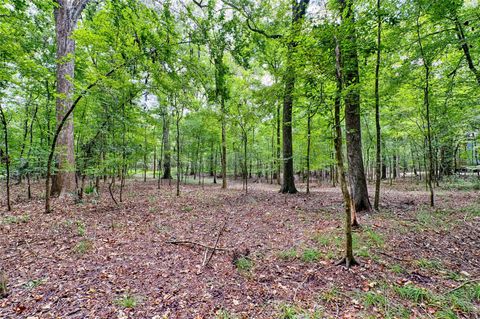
298, 13
348, 259
66, 15
350, 72
378, 153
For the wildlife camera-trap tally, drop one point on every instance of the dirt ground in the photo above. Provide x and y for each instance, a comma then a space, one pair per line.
276, 256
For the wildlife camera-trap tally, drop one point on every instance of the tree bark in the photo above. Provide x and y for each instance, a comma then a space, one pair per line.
348, 259
298, 13
66, 16
278, 148
352, 110
378, 157
6, 157
167, 168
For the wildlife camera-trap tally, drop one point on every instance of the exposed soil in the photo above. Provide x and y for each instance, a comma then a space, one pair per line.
82, 259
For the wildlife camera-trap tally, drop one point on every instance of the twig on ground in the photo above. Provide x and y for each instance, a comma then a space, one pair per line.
462, 285
216, 244
193, 243
393, 257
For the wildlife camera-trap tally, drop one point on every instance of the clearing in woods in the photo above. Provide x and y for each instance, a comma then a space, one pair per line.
274, 258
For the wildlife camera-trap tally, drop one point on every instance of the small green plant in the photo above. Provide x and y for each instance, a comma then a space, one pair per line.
294, 312
374, 237
223, 314
363, 252
323, 239
454, 275
16, 219
90, 189
412, 292
397, 269
127, 301
83, 246
244, 264
446, 314
289, 254
187, 209
81, 228
331, 295
374, 299
428, 264
330, 255
310, 255
34, 283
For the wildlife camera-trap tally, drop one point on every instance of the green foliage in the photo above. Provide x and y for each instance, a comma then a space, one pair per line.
331, 295
33, 283
396, 268
374, 299
428, 264
90, 189
127, 301
244, 264
15, 219
294, 312
223, 314
83, 246
310, 255
81, 228
413, 293
288, 255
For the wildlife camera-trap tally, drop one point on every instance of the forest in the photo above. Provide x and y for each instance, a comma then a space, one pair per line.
239, 159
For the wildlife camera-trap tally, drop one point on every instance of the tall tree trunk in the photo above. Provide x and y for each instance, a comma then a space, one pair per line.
309, 132
245, 173
224, 146
348, 259
298, 13
278, 160
167, 163
426, 103
220, 93
145, 149
178, 153
378, 157
66, 16
352, 110
6, 157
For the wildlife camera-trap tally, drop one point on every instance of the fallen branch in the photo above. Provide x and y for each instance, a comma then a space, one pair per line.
393, 257
462, 285
216, 245
188, 242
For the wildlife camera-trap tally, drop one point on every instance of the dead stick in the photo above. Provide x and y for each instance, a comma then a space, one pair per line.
188, 242
462, 285
216, 244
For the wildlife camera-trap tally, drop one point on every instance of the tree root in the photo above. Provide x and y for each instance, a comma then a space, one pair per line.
347, 262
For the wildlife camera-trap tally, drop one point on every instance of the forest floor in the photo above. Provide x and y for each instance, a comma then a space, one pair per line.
97, 260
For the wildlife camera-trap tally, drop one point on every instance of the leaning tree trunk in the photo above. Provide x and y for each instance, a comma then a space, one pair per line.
352, 110
66, 16
466, 49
